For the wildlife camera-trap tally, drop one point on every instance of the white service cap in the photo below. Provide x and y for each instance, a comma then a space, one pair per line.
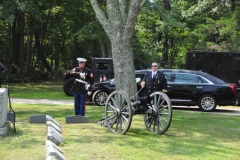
81, 59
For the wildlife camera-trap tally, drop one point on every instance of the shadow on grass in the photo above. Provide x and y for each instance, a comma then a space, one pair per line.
189, 135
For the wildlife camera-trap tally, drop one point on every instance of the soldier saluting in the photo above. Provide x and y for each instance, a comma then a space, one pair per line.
154, 81
80, 86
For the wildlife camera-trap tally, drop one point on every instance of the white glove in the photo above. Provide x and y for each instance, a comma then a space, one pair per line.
82, 75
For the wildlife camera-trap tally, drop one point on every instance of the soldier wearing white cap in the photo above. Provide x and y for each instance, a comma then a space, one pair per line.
80, 89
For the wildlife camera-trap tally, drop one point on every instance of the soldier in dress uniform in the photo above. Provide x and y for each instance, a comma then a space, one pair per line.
80, 88
154, 81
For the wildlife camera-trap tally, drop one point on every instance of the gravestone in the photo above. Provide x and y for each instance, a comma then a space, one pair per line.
54, 153
54, 136
53, 125
41, 118
4, 124
50, 118
77, 119
11, 116
50, 143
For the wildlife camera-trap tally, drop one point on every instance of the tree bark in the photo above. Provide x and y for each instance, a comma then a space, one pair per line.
21, 42
119, 27
30, 24
18, 42
40, 52
102, 47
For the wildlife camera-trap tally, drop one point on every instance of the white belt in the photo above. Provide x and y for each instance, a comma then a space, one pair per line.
86, 83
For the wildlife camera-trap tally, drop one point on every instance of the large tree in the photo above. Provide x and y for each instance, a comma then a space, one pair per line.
119, 23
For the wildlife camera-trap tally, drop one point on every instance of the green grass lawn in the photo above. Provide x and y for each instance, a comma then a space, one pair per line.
43, 90
192, 135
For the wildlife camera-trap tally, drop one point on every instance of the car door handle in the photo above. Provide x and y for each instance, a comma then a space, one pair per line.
199, 87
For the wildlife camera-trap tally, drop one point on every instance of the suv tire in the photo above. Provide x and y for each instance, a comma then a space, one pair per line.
207, 103
99, 97
68, 86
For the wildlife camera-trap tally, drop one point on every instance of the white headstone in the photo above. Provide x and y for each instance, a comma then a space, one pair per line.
54, 153
3, 106
54, 135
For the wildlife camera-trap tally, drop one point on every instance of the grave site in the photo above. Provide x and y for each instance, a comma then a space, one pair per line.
54, 138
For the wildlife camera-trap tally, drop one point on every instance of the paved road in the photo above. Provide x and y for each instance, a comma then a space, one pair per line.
41, 101
219, 110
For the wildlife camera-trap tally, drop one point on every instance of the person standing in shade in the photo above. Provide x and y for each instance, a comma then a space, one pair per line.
80, 88
154, 81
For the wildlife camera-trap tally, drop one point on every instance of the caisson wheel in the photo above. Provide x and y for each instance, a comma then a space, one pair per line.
158, 117
118, 112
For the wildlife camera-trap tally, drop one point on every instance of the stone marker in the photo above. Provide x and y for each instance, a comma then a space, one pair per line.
52, 152
4, 129
54, 136
50, 118
4, 125
56, 127
41, 118
77, 119
51, 158
50, 143
11, 116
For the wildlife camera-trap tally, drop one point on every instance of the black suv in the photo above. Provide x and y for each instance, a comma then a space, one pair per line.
185, 88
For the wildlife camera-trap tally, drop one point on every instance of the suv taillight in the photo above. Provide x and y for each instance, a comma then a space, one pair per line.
233, 88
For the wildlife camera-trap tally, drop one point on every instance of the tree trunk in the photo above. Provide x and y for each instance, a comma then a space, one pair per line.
21, 42
119, 26
124, 67
232, 5
165, 44
102, 47
30, 24
40, 52
17, 43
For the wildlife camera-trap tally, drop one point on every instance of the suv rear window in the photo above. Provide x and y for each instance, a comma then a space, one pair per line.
186, 78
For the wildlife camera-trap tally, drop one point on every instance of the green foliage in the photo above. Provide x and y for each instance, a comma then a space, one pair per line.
92, 30
59, 31
153, 22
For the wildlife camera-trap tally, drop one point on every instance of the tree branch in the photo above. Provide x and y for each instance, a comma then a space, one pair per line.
132, 18
101, 16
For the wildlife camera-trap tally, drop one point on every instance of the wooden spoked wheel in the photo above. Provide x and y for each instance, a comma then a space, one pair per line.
158, 117
118, 112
